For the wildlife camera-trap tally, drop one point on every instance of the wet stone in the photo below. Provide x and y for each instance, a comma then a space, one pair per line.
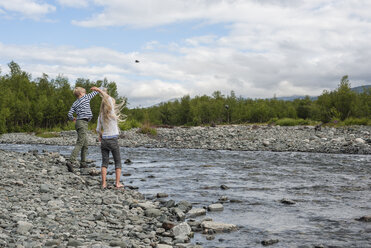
269, 242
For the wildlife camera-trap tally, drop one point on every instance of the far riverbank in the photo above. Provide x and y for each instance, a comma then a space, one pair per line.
347, 140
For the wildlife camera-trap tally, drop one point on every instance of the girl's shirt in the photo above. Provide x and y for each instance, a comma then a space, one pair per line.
110, 128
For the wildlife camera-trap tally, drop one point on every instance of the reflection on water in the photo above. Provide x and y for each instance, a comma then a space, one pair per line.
330, 191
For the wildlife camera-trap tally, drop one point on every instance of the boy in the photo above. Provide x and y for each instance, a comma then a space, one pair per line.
82, 109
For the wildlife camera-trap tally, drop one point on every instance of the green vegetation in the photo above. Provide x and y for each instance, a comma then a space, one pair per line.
292, 122
340, 104
28, 105
47, 134
147, 129
129, 124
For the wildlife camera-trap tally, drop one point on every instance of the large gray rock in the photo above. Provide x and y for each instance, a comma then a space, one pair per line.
215, 207
218, 227
182, 230
163, 246
23, 227
152, 212
194, 212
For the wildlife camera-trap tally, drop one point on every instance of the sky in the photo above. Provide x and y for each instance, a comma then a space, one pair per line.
256, 48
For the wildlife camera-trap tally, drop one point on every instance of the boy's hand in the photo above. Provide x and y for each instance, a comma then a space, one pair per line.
74, 119
95, 89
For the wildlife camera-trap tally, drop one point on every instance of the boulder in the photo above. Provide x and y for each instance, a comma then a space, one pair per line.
181, 230
196, 212
215, 207
23, 227
152, 212
360, 141
218, 227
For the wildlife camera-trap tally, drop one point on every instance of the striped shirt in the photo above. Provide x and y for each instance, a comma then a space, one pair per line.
82, 107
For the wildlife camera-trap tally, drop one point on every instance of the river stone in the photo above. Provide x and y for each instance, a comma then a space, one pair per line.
360, 141
183, 229
23, 227
167, 225
163, 246
287, 201
179, 213
152, 212
196, 212
366, 218
225, 187
74, 243
218, 227
162, 195
215, 207
53, 242
118, 243
170, 204
146, 205
44, 188
184, 206
269, 242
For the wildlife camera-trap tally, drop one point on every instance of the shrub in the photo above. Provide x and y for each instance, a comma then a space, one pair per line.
357, 121
129, 124
273, 120
147, 129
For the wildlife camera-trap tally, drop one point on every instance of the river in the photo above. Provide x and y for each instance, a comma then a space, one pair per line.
330, 191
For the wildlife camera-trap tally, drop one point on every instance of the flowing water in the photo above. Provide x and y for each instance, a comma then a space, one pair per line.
330, 191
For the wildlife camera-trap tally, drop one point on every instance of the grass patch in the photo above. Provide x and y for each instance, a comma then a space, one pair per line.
47, 135
292, 122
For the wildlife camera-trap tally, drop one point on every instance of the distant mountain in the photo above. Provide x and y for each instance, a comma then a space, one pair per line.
292, 98
359, 89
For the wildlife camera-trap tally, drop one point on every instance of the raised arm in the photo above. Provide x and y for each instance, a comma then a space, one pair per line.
99, 90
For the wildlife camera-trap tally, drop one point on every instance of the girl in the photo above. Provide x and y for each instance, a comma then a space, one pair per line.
108, 119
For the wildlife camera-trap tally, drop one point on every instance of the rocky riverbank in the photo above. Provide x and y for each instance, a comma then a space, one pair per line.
349, 140
43, 205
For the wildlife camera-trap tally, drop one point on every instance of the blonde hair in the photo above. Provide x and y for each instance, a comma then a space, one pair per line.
106, 108
78, 90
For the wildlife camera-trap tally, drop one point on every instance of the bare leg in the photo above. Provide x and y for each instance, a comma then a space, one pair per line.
104, 177
118, 175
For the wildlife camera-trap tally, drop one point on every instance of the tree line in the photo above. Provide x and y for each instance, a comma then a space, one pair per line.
337, 105
27, 105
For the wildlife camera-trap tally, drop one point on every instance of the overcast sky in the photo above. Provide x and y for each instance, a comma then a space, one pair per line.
257, 48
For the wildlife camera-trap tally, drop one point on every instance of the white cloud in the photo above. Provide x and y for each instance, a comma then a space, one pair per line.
26, 8
281, 47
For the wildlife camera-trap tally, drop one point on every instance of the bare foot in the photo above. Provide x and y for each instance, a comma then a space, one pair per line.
119, 186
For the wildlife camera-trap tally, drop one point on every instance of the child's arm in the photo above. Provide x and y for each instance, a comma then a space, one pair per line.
92, 94
99, 128
99, 90
70, 114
